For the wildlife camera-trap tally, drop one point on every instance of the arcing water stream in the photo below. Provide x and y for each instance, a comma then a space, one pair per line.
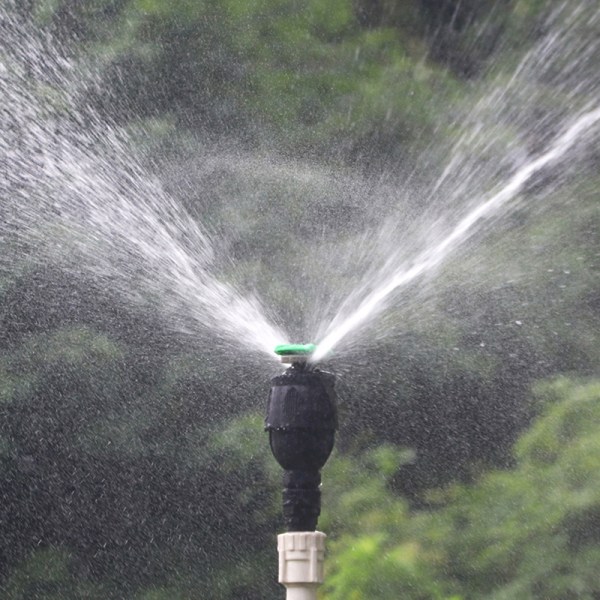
74, 193
563, 55
434, 256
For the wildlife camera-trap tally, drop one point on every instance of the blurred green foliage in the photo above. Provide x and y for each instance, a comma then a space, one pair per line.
314, 76
527, 532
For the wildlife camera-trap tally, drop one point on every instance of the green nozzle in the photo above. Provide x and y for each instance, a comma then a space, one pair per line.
295, 349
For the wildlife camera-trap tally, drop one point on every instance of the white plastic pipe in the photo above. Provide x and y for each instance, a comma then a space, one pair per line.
301, 556
306, 591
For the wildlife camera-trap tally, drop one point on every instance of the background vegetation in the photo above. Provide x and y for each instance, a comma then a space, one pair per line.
468, 464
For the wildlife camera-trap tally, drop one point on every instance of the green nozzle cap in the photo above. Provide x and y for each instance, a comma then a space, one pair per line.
294, 349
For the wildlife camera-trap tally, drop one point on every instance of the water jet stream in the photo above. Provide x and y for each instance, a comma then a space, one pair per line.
73, 193
433, 257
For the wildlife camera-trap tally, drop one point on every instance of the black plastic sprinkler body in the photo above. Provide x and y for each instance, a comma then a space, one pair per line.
301, 421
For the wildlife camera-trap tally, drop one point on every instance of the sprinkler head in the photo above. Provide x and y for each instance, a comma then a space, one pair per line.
301, 421
294, 353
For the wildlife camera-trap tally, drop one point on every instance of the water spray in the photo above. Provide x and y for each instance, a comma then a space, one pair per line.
301, 421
